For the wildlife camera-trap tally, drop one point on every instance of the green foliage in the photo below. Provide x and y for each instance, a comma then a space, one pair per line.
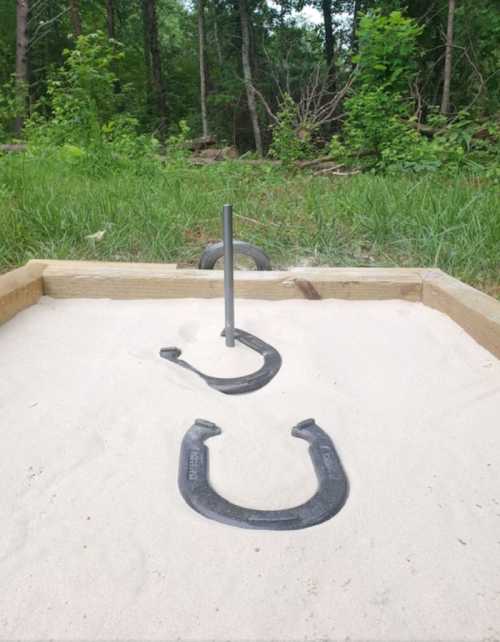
461, 145
476, 77
290, 143
177, 148
399, 41
85, 122
169, 213
80, 94
466, 144
388, 54
379, 122
8, 108
377, 112
337, 149
375, 120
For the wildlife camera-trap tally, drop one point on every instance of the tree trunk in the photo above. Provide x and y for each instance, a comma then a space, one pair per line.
217, 41
203, 67
110, 19
329, 39
148, 82
74, 12
22, 9
448, 59
355, 18
146, 46
156, 70
247, 75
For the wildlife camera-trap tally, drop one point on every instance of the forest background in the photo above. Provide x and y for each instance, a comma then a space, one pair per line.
368, 136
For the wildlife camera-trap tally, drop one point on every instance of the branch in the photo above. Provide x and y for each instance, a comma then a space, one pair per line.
266, 104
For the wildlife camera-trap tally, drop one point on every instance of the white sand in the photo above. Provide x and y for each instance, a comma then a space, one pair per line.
97, 543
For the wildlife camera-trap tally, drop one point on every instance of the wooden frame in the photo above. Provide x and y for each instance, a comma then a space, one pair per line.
477, 313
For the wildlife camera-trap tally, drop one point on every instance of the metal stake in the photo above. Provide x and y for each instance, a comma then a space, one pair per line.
227, 219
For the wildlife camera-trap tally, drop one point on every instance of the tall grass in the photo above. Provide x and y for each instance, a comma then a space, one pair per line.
151, 212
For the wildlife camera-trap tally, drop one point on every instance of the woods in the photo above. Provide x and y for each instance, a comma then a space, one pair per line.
223, 68
365, 134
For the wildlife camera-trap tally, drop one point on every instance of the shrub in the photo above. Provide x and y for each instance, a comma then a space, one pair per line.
378, 112
8, 108
83, 110
289, 143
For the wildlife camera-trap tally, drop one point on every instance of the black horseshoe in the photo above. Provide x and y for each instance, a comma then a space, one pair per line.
324, 504
236, 385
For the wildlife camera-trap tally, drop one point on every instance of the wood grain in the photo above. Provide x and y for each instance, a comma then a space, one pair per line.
147, 281
111, 264
477, 313
19, 289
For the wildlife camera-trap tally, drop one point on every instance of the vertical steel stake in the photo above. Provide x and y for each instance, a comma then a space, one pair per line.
227, 220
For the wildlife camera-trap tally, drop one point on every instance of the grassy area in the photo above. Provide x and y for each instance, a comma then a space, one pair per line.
153, 213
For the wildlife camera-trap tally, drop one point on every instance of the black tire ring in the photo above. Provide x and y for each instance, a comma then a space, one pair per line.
214, 252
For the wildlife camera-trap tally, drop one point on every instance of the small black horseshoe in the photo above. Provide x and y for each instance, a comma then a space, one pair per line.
324, 504
236, 385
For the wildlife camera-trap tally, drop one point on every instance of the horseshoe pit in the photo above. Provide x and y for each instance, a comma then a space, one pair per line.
400, 369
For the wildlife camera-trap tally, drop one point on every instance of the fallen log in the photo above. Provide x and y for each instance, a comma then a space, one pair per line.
203, 142
13, 148
335, 172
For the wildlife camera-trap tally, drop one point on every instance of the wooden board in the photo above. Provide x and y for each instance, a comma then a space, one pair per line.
82, 265
477, 313
146, 281
19, 289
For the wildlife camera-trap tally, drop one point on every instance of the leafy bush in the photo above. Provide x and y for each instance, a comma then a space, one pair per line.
337, 149
289, 143
177, 149
8, 108
387, 57
380, 130
83, 110
459, 145
377, 112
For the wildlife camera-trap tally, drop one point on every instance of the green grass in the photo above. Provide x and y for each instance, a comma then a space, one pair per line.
153, 213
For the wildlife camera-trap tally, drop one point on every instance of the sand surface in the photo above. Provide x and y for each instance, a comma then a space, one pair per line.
97, 543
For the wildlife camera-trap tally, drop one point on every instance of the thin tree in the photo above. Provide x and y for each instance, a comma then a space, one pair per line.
110, 29
247, 75
215, 22
146, 49
22, 43
151, 26
110, 19
326, 6
76, 21
448, 60
355, 18
203, 67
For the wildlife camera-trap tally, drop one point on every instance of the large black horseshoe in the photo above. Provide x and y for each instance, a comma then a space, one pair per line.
324, 504
236, 385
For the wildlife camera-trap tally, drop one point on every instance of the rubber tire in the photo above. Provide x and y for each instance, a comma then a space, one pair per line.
214, 252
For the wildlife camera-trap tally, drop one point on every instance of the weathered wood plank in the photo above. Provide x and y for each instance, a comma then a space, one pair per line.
121, 281
19, 289
477, 313
112, 264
